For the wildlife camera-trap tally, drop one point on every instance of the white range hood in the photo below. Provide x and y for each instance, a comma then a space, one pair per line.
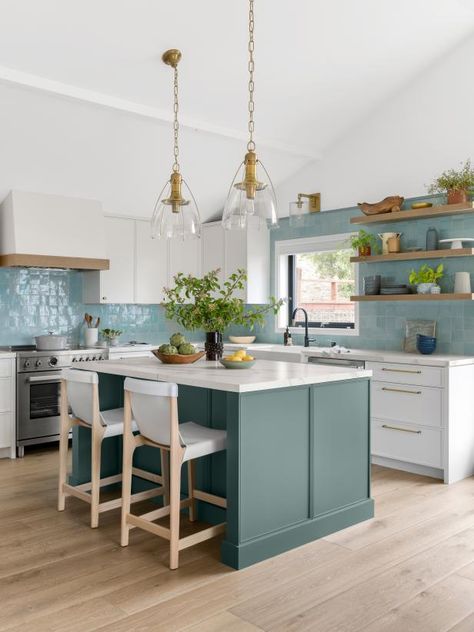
52, 231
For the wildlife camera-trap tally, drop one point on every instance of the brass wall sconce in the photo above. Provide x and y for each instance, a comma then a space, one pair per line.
305, 204
314, 201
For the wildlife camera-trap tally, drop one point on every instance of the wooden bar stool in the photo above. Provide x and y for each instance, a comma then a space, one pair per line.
154, 408
80, 392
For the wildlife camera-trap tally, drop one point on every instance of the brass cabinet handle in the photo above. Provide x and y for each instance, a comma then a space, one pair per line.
401, 429
400, 390
401, 370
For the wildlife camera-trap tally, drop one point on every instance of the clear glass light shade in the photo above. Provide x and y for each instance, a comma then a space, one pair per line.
298, 212
250, 205
176, 219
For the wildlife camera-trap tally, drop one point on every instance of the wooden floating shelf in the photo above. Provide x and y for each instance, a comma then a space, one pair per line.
421, 254
414, 297
419, 213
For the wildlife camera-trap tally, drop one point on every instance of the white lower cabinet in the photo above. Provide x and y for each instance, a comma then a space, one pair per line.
7, 408
422, 419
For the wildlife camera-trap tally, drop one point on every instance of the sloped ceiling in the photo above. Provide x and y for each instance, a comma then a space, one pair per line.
86, 101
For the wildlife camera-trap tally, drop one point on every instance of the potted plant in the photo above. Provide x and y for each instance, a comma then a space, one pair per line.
364, 243
205, 303
426, 279
111, 336
456, 183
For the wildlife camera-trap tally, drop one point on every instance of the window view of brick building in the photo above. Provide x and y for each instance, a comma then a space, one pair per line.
323, 284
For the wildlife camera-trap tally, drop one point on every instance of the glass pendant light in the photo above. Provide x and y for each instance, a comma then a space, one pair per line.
251, 198
175, 216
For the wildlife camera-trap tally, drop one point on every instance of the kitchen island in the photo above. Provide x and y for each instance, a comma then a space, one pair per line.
297, 464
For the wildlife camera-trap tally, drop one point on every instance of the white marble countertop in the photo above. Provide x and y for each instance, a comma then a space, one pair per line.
264, 375
369, 355
5, 355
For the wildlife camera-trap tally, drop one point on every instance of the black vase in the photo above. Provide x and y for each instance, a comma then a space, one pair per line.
214, 345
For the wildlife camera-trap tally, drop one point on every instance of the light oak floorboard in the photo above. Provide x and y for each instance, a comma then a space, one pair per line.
412, 566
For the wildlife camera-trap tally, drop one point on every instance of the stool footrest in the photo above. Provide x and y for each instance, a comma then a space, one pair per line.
148, 476
200, 536
157, 529
70, 490
163, 511
210, 498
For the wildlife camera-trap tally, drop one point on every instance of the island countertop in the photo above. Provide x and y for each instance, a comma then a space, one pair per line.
264, 375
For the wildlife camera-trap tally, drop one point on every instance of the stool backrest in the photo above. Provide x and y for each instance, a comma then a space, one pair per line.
153, 405
82, 388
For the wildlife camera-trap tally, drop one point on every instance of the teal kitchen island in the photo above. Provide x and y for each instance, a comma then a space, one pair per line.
297, 464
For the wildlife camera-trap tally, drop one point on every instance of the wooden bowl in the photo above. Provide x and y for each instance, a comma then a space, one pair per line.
177, 358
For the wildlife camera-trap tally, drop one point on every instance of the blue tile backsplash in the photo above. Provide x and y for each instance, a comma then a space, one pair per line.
34, 301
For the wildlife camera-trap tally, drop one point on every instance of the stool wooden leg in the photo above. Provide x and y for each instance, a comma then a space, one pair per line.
165, 473
95, 478
175, 507
191, 487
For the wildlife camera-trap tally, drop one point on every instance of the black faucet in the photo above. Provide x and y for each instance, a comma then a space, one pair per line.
307, 339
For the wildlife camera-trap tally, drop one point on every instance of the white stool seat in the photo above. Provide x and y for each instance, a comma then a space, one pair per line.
113, 422
200, 440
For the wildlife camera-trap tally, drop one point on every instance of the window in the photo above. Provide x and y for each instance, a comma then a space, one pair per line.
317, 274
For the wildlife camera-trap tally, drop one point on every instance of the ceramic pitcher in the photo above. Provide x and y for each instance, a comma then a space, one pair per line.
385, 237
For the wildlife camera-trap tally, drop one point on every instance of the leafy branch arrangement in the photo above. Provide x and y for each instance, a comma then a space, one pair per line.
461, 180
426, 274
110, 334
204, 303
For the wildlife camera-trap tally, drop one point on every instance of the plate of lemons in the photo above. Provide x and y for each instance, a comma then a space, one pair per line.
238, 360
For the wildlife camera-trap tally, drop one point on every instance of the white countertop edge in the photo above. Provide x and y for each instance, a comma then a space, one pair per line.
6, 355
144, 368
395, 357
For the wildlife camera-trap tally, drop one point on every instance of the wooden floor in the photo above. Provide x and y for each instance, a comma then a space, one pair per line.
411, 569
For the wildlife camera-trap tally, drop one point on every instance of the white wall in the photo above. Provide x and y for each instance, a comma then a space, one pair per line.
52, 144
425, 129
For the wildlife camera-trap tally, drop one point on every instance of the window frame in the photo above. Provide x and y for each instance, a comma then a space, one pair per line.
283, 250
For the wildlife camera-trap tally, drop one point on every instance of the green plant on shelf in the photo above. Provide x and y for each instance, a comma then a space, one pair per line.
426, 274
363, 241
454, 180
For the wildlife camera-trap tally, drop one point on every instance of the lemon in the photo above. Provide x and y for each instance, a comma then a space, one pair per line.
247, 358
241, 353
237, 359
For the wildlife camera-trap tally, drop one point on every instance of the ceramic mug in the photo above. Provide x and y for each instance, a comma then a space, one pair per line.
393, 244
385, 237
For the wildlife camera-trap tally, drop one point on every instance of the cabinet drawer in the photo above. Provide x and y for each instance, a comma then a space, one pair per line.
406, 373
5, 394
403, 442
5, 368
6, 438
412, 404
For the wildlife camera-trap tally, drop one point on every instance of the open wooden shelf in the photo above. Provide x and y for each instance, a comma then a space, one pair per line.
421, 254
419, 213
414, 297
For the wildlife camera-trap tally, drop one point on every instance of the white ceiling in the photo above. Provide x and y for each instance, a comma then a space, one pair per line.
320, 66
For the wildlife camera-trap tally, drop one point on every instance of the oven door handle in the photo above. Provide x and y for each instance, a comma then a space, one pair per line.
47, 378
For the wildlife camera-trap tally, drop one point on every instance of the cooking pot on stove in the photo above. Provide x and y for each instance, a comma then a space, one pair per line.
50, 342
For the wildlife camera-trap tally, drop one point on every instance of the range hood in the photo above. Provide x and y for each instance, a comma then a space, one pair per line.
52, 231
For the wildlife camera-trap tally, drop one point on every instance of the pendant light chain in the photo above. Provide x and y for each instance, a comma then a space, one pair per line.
251, 68
176, 122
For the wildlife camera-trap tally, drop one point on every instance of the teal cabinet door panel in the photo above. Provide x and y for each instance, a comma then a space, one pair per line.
341, 458
274, 460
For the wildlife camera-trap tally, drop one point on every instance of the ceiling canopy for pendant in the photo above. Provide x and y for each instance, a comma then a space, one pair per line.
251, 197
176, 215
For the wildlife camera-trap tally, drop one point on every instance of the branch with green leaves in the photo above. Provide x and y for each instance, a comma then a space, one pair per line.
205, 303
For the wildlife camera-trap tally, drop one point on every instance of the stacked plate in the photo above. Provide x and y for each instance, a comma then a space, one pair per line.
389, 289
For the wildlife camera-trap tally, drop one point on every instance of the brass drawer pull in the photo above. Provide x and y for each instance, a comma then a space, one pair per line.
400, 390
401, 371
401, 429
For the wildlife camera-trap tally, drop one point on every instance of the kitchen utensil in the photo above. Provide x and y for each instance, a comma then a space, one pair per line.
431, 239
50, 342
393, 244
414, 327
231, 364
372, 285
385, 237
425, 344
456, 242
462, 283
242, 340
178, 359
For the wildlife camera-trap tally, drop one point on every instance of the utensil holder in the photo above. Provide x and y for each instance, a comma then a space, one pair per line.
91, 336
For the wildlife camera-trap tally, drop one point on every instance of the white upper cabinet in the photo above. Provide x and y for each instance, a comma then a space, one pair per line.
231, 250
151, 265
185, 257
117, 284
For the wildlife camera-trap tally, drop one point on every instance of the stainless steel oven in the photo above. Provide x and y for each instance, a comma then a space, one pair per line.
38, 393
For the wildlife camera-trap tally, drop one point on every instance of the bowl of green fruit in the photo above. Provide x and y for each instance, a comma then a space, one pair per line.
178, 351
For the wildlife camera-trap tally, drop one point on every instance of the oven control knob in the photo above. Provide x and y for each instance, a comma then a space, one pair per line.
80, 359
74, 359
38, 363
53, 361
26, 364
